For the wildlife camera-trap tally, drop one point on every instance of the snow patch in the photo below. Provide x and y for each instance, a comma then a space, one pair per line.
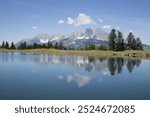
44, 41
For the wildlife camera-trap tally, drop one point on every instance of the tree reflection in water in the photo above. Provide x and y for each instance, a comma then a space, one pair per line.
115, 65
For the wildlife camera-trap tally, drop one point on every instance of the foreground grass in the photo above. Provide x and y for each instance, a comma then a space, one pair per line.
94, 53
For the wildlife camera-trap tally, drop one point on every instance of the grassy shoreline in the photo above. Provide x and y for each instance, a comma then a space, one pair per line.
94, 53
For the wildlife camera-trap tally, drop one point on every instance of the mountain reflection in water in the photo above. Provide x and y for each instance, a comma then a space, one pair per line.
107, 66
114, 65
43, 76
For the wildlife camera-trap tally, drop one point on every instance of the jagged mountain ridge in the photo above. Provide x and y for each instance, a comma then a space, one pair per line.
77, 39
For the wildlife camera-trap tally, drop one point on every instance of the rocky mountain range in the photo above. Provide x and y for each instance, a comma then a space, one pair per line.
76, 40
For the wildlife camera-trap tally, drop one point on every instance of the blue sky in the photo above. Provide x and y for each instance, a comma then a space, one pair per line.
25, 18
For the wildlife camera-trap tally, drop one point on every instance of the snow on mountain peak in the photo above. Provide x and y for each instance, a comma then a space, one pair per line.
76, 39
44, 41
89, 34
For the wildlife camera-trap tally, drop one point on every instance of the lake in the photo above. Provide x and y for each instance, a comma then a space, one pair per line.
25, 76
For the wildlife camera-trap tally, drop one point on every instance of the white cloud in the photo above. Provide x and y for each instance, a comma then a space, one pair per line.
82, 19
131, 31
118, 28
34, 28
107, 26
100, 20
70, 21
61, 22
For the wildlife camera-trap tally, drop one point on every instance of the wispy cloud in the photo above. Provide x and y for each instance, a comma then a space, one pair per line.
107, 26
117, 28
131, 30
81, 19
61, 22
34, 28
100, 20
70, 21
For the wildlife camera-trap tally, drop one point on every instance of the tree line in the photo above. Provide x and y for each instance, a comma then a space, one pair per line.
116, 42
7, 45
49, 45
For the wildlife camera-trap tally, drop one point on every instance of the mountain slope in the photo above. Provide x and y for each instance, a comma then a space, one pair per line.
77, 39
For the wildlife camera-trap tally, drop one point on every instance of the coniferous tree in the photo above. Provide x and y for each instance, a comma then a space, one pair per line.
49, 45
23, 46
7, 45
134, 44
91, 47
102, 47
120, 45
35, 45
112, 38
56, 45
130, 41
12, 46
139, 44
60, 46
117, 41
44, 46
3, 44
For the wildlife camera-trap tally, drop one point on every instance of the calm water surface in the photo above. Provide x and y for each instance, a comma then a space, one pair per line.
42, 76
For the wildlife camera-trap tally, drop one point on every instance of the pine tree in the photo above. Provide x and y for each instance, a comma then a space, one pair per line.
7, 45
130, 41
23, 46
102, 47
112, 38
139, 44
134, 44
3, 44
49, 45
60, 46
56, 45
35, 45
44, 46
12, 46
91, 47
120, 42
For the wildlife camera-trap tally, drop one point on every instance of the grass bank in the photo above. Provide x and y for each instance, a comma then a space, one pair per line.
94, 53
